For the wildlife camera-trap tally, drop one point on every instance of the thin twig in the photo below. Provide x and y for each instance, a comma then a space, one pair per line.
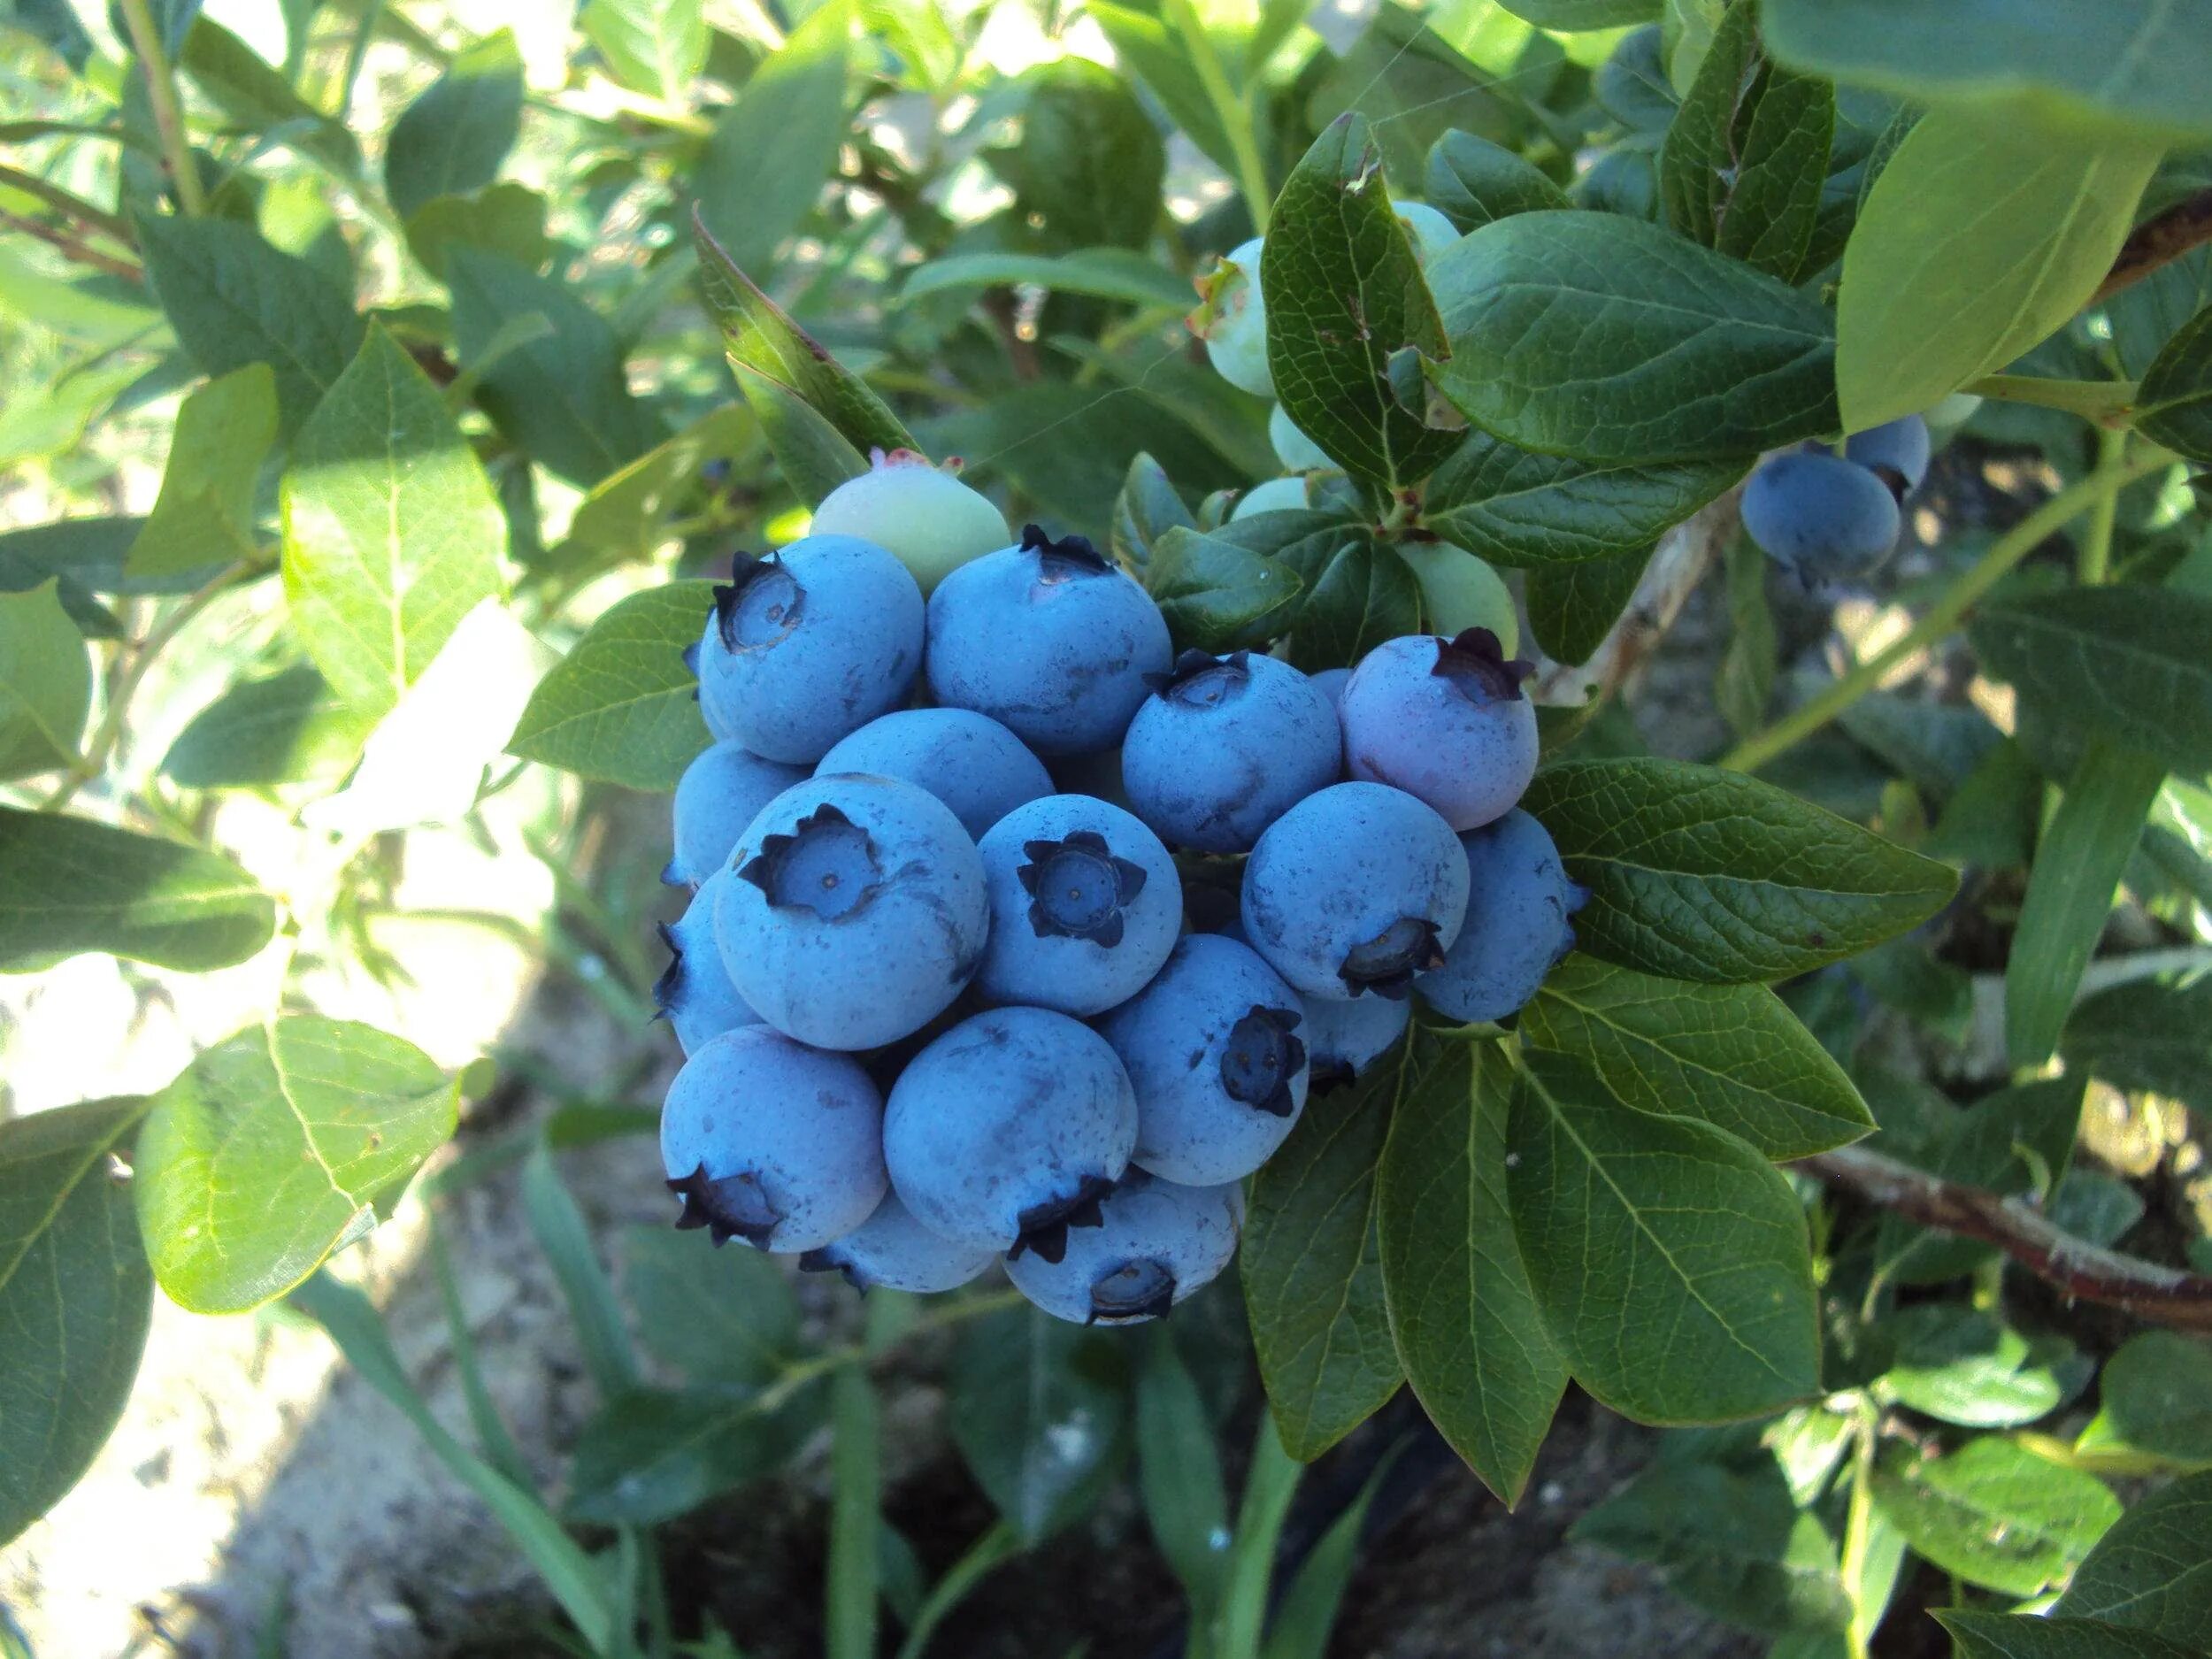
2158, 242
67, 203
72, 247
2165, 1295
168, 110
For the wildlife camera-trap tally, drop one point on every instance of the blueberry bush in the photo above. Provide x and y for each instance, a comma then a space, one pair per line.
1145, 541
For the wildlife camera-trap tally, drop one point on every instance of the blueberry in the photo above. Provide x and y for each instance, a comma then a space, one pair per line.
893, 1251
1344, 1039
1084, 905
1331, 682
967, 760
808, 644
694, 994
1429, 231
771, 1142
1214, 1048
716, 798
1899, 447
1820, 516
856, 911
1459, 591
1006, 1131
1156, 1243
1236, 326
1518, 899
1297, 452
1277, 494
1443, 719
1049, 639
1226, 745
1354, 890
928, 518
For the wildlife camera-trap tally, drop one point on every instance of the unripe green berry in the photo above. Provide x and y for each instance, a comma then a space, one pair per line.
931, 521
1459, 591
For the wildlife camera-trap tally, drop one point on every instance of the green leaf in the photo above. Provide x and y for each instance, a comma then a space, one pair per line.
273, 1149
1179, 1472
1732, 1055
1040, 1410
2013, 1636
260, 99
2129, 661
2173, 404
1312, 1267
1212, 591
766, 160
2128, 65
1698, 873
87, 556
718, 1317
1356, 592
1962, 1364
68, 885
656, 47
622, 707
1979, 240
857, 1492
1090, 163
1344, 293
1743, 686
2084, 852
1746, 156
563, 1238
1631, 85
1603, 338
288, 727
451, 139
562, 396
45, 682
2157, 1395
1145, 510
1107, 273
626, 514
204, 515
233, 300
507, 220
391, 534
1461, 1312
1571, 608
2153, 1571
1571, 16
1730, 1539
76, 1297
1997, 1515
2151, 1035
1513, 506
1414, 86
818, 415
651, 1454
1670, 1259
1472, 181
1157, 56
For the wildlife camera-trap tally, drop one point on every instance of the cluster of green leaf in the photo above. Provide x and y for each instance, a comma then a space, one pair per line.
449, 401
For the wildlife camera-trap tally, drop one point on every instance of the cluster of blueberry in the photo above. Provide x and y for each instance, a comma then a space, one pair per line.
943, 1002
1825, 516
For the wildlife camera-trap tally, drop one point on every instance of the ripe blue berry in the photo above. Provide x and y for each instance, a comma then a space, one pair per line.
1050, 639
1518, 900
1226, 745
1820, 516
929, 518
1444, 720
716, 798
1084, 905
1331, 681
808, 644
1901, 447
1007, 1131
1213, 1049
771, 1142
1344, 1039
1354, 891
1297, 452
967, 760
694, 994
893, 1251
1156, 1243
1236, 331
855, 911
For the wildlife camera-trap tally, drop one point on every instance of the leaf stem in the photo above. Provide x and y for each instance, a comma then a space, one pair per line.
72, 247
1858, 1526
2006, 551
2095, 564
161, 94
2092, 400
1235, 113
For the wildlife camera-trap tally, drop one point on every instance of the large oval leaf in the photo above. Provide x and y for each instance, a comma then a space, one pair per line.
1697, 873
75, 1299
1468, 1329
2038, 1636
271, 1149
2130, 1577
45, 681
1996, 1514
2173, 406
1513, 506
68, 885
622, 706
1600, 337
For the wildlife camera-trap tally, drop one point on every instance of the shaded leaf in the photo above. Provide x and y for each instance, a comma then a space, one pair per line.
622, 706
451, 139
1513, 506
1040, 1410
45, 682
2130, 1578
2152, 1034
1571, 608
768, 156
1997, 1515
288, 727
